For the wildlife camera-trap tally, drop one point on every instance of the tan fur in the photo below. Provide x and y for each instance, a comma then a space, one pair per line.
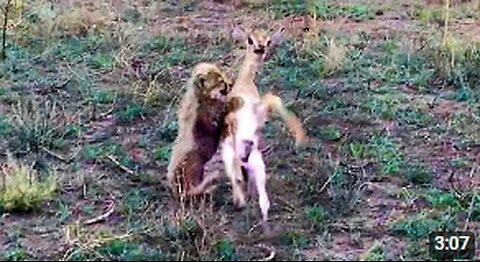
293, 123
200, 117
252, 110
245, 88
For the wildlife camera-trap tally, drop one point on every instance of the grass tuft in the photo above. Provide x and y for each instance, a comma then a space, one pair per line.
23, 188
35, 125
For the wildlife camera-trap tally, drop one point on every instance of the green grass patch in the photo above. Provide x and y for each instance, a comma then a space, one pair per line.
316, 215
418, 173
16, 254
4, 126
444, 200
99, 152
162, 153
344, 191
131, 111
295, 239
375, 253
420, 225
476, 207
120, 250
104, 96
383, 106
321, 9
225, 250
356, 150
330, 133
387, 153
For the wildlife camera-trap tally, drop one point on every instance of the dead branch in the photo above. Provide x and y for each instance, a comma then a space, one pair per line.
57, 156
4, 29
103, 216
119, 165
60, 157
470, 211
269, 249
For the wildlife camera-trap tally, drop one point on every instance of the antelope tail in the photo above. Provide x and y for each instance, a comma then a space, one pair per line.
293, 123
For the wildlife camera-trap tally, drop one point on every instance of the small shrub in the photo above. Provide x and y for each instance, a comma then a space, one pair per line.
131, 112
162, 153
315, 214
386, 152
4, 126
23, 188
36, 125
225, 250
167, 131
102, 61
359, 12
413, 117
344, 191
418, 173
374, 253
356, 149
104, 96
383, 107
330, 133
16, 254
122, 250
295, 239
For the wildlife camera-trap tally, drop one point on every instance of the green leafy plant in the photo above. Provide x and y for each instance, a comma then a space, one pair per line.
356, 149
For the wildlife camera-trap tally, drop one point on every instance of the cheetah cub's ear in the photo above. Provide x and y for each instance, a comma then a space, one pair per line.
199, 82
204, 83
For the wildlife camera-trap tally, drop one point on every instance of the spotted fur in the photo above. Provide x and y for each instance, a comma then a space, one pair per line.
200, 123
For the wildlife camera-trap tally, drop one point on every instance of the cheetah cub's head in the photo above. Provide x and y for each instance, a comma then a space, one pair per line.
211, 83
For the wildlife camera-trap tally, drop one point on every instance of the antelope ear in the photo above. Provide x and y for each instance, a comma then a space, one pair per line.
278, 36
239, 34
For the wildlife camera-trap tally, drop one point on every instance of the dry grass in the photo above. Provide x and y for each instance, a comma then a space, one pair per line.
335, 56
23, 188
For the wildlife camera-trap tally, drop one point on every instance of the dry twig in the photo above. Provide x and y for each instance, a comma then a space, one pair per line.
271, 250
119, 165
109, 212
